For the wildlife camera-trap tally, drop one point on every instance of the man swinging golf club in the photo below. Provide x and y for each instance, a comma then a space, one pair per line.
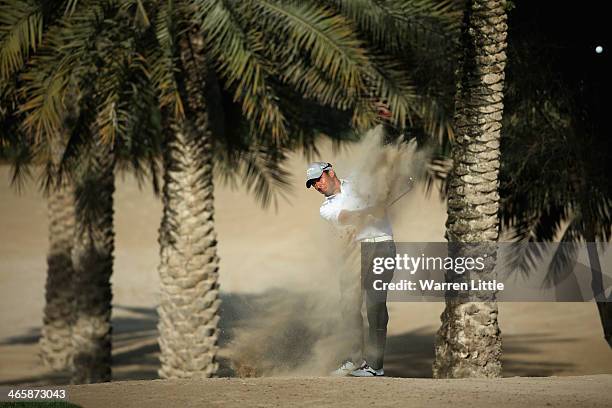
372, 231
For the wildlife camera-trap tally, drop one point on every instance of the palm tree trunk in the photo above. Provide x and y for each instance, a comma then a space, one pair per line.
468, 343
56, 336
92, 256
189, 302
604, 303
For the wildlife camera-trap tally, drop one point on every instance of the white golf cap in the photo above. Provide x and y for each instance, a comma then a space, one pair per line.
314, 171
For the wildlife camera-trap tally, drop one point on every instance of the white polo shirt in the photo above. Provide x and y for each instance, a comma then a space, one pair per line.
346, 199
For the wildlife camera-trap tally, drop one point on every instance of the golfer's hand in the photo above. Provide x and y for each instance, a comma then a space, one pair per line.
376, 211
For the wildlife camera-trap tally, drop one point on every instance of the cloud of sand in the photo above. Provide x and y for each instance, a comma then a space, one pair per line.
294, 331
300, 331
382, 173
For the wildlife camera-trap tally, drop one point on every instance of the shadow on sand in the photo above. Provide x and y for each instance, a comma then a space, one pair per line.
410, 354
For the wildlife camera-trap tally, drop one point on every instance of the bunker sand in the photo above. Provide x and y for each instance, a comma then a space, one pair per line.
267, 258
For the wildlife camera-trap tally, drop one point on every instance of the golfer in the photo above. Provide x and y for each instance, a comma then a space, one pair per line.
343, 207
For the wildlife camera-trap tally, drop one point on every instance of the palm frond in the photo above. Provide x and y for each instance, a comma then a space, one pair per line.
21, 169
372, 17
236, 53
46, 78
524, 257
257, 167
436, 119
123, 71
21, 31
44, 106
394, 85
14, 147
296, 71
164, 62
436, 176
565, 257
138, 149
602, 212
78, 129
395, 26
530, 236
264, 176
111, 117
427, 23
71, 6
242, 157
138, 8
326, 37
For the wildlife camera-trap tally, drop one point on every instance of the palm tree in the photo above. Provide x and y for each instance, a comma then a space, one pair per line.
555, 169
468, 343
56, 333
40, 73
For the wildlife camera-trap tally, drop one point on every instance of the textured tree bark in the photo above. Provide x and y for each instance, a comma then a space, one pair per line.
189, 302
604, 303
468, 343
56, 335
92, 256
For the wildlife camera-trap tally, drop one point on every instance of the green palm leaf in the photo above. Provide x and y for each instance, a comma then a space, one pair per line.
68, 45
163, 61
21, 31
396, 26
327, 38
236, 54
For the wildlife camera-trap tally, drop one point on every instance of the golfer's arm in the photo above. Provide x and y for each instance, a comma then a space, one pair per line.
352, 217
345, 217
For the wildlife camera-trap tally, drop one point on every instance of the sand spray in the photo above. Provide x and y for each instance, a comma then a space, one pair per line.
300, 331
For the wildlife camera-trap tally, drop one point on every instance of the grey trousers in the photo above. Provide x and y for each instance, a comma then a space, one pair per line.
356, 285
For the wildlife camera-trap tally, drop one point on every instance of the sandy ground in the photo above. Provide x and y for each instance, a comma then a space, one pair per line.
587, 391
274, 256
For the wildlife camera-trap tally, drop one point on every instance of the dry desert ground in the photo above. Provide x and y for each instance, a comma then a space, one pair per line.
275, 268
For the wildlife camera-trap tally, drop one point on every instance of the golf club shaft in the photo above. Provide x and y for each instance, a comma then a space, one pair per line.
396, 199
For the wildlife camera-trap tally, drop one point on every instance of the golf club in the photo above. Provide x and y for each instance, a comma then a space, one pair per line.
396, 199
